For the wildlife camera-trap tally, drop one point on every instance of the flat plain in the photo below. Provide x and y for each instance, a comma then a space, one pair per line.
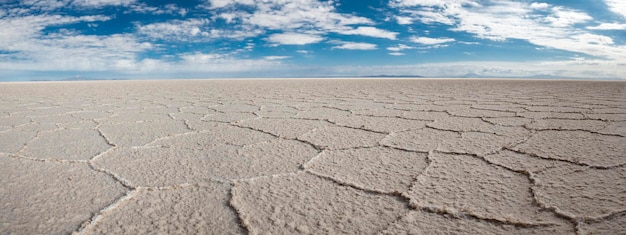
313, 157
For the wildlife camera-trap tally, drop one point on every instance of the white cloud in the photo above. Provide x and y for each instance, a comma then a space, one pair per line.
223, 3
23, 29
400, 47
404, 20
276, 57
371, 32
303, 16
396, 53
564, 18
294, 38
355, 46
170, 9
608, 26
431, 41
101, 3
507, 19
539, 5
617, 6
181, 30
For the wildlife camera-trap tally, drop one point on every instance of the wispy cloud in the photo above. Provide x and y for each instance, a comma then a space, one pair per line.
355, 46
294, 38
431, 41
537, 23
617, 6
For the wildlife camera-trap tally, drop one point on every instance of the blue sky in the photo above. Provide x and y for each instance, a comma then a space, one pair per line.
135, 39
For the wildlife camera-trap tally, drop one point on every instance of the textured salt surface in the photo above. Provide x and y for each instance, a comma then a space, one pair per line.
313, 157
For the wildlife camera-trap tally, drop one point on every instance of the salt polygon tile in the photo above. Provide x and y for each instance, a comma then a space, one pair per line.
462, 124
582, 192
608, 110
358, 105
608, 117
422, 107
67, 144
158, 110
65, 118
521, 162
577, 146
480, 113
467, 185
51, 198
139, 134
608, 226
614, 128
557, 115
381, 124
556, 109
420, 222
273, 157
157, 167
509, 121
278, 111
322, 113
286, 128
381, 112
13, 140
561, 124
136, 117
425, 115
216, 136
377, 169
44, 111
199, 209
91, 115
335, 137
305, 204
428, 139
78, 125
37, 127
422, 140
236, 108
228, 117
203, 110
14, 121
501, 107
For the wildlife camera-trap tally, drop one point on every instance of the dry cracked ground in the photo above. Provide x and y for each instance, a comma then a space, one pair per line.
313, 157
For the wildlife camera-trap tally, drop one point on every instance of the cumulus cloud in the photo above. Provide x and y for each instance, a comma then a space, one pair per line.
608, 26
170, 9
294, 38
181, 30
298, 16
100, 3
431, 41
563, 18
399, 47
276, 57
617, 6
537, 23
404, 20
539, 5
355, 46
371, 32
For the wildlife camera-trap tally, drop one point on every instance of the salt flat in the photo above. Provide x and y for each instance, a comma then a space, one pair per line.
313, 157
